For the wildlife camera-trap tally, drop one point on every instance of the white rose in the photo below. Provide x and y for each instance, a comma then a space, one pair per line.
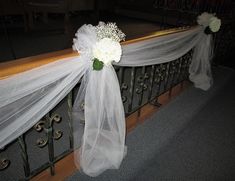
214, 24
107, 50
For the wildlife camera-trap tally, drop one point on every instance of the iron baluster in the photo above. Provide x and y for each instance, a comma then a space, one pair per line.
132, 83
161, 76
188, 60
123, 86
70, 108
158, 77
47, 125
49, 130
152, 74
142, 86
174, 66
120, 74
184, 66
179, 71
24, 156
166, 76
171, 75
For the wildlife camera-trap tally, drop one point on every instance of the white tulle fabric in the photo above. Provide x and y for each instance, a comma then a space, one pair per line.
27, 97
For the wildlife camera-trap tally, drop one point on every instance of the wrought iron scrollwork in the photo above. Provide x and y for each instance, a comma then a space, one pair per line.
41, 142
173, 67
142, 85
43, 125
186, 60
4, 163
160, 73
58, 134
124, 86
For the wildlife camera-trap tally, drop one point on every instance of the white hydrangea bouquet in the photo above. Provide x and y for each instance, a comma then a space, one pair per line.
210, 22
100, 43
107, 48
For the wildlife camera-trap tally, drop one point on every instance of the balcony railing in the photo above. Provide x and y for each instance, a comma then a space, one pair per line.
51, 138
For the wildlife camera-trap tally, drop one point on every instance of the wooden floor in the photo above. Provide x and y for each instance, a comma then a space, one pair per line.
66, 166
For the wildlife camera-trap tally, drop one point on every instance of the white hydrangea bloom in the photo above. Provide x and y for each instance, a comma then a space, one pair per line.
107, 50
214, 24
209, 20
204, 19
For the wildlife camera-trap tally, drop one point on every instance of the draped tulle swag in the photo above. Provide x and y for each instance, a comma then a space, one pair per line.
104, 132
27, 97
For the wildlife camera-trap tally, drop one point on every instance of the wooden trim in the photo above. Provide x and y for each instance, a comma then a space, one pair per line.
20, 65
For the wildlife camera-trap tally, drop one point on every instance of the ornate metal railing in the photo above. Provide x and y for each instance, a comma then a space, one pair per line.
142, 85
52, 137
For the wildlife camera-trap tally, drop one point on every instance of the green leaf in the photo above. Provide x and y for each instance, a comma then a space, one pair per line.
208, 30
97, 64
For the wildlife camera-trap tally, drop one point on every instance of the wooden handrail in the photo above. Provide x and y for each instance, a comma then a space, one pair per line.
20, 65
159, 33
23, 64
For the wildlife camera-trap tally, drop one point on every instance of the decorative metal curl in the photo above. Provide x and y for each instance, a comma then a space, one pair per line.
41, 142
4, 163
58, 134
124, 99
160, 73
124, 86
142, 85
41, 125
172, 68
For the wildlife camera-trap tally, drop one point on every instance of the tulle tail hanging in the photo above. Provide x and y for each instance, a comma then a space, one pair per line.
103, 142
200, 67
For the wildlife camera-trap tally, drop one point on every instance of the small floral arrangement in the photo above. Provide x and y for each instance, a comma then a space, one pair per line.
107, 48
210, 22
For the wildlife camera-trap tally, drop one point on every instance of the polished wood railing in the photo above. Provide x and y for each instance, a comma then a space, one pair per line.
20, 65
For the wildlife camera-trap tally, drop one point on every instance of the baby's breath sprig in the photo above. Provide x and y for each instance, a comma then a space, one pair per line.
109, 30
